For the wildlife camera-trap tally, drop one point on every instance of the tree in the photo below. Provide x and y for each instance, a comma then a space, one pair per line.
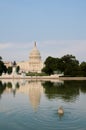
0, 58
3, 68
83, 69
17, 69
50, 65
70, 65
9, 70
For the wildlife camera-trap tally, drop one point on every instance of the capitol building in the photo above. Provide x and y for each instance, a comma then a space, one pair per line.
34, 64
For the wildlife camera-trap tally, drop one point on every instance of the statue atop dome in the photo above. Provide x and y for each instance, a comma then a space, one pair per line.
35, 44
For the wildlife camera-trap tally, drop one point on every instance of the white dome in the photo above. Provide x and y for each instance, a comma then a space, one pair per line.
34, 64
35, 54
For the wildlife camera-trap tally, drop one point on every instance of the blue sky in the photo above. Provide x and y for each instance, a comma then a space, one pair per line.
58, 26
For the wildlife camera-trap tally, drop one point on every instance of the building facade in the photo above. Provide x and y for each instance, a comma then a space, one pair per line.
34, 64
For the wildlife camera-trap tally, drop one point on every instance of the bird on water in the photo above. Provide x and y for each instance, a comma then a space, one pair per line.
61, 110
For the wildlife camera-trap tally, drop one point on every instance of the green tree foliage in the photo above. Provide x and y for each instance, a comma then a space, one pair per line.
17, 69
67, 64
83, 69
51, 65
0, 58
3, 68
9, 70
70, 65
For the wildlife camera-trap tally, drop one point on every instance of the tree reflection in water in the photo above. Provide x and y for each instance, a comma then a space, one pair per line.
8, 85
2, 88
68, 91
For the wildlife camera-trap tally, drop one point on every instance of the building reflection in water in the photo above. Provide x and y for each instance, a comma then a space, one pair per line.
33, 89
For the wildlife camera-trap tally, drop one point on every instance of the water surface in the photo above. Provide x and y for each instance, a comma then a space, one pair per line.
33, 105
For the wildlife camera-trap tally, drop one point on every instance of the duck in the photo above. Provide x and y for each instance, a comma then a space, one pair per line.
60, 111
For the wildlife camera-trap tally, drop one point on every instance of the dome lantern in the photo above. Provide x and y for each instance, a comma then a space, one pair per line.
34, 54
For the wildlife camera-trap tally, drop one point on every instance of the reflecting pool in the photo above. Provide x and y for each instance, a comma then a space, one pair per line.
33, 105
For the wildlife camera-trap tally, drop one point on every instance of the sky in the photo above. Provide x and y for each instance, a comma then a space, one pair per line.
58, 27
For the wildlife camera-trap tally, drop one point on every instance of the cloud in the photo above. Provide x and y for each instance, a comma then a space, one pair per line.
54, 48
58, 48
5, 45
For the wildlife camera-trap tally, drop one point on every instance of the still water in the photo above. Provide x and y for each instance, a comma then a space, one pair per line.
33, 105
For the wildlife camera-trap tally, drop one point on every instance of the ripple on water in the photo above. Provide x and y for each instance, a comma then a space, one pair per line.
46, 118
71, 119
